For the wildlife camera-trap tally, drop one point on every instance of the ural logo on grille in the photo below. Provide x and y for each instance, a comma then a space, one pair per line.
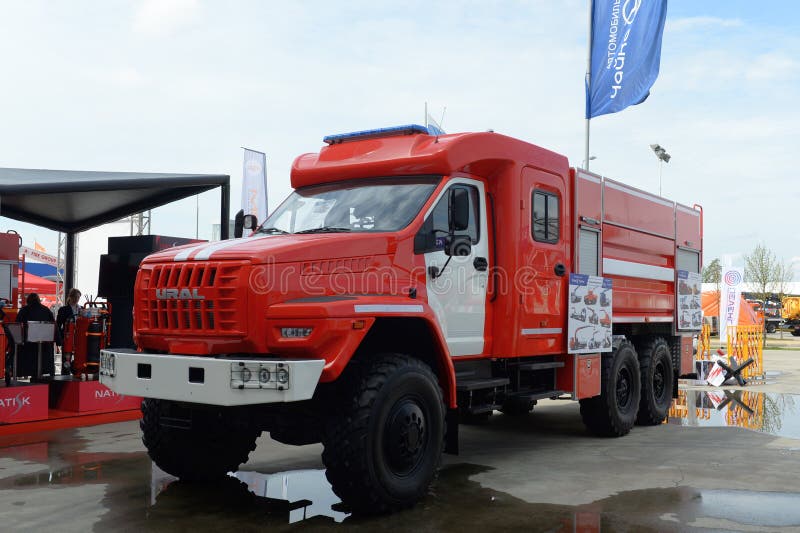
178, 294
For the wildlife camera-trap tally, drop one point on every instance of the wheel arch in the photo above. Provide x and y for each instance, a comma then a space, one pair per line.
417, 337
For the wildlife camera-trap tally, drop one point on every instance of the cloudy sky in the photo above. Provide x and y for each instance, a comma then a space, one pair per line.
181, 85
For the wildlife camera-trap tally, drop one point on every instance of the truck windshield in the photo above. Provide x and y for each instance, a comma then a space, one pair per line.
373, 205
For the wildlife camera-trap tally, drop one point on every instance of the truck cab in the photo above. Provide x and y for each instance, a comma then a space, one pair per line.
411, 281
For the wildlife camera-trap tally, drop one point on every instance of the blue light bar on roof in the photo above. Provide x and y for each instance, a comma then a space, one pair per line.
394, 131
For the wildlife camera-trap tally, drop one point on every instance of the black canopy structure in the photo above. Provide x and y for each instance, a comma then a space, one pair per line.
71, 201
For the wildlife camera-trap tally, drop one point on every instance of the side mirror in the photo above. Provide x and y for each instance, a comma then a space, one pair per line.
250, 222
458, 211
458, 245
238, 224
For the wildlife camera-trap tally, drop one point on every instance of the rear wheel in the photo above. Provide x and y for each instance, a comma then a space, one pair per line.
384, 442
195, 444
613, 413
655, 362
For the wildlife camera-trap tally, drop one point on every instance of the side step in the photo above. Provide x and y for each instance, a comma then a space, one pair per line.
540, 395
479, 395
473, 384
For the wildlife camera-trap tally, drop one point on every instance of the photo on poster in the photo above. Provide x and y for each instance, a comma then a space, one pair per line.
589, 320
690, 310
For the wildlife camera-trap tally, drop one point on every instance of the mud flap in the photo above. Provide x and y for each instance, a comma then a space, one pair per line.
451, 434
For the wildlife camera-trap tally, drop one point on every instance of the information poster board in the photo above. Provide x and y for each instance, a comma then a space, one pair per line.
589, 323
690, 311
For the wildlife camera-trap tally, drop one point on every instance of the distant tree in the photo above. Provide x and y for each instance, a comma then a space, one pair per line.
760, 270
784, 275
713, 273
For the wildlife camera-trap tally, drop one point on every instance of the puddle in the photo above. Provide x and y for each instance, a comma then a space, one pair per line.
85, 481
772, 413
456, 502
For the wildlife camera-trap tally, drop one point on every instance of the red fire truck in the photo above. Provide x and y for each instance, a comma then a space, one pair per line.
409, 281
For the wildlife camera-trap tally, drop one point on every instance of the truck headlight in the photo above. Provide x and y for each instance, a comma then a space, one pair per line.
295, 333
259, 375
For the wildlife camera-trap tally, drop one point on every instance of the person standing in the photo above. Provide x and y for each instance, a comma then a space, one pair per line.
65, 314
34, 311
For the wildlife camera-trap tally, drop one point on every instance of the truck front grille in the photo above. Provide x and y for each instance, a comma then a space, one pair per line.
201, 298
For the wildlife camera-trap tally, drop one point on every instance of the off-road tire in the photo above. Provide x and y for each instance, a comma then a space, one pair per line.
613, 413
384, 440
658, 379
211, 445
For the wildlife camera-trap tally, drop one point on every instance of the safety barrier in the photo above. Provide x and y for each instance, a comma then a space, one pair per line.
704, 343
745, 342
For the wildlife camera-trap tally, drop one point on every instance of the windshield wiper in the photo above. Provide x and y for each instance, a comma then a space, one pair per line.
273, 231
324, 229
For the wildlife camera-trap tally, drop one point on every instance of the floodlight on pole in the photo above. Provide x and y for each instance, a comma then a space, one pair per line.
584, 164
663, 157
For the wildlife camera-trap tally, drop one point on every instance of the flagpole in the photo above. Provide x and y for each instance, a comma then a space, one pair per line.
588, 84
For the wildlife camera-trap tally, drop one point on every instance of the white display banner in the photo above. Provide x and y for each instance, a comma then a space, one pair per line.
589, 323
35, 255
690, 311
254, 184
729, 300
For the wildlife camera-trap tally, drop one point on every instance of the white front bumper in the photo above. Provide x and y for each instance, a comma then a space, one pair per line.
206, 380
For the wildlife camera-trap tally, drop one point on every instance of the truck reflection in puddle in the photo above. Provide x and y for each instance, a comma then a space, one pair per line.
772, 413
303, 494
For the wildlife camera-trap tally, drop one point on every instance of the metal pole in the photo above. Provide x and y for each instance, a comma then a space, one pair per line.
660, 166
197, 217
224, 211
588, 83
69, 270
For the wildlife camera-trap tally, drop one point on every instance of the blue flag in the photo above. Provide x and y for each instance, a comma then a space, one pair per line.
626, 51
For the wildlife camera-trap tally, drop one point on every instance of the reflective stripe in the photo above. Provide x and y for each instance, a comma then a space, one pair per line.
637, 270
399, 308
183, 255
206, 252
541, 331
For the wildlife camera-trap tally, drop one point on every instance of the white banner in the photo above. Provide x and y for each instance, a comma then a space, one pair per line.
729, 300
590, 305
690, 312
37, 256
254, 184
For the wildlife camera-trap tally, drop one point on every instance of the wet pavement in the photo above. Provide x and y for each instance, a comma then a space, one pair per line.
717, 466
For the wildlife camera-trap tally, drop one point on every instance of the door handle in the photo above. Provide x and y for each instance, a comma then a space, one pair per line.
480, 264
560, 269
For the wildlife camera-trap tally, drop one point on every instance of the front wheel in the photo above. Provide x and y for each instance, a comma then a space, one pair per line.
384, 442
613, 413
195, 444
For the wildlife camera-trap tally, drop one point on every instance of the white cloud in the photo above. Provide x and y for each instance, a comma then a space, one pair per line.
694, 23
164, 16
772, 67
127, 76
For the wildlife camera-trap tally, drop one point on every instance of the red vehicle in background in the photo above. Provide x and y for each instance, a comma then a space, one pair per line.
409, 280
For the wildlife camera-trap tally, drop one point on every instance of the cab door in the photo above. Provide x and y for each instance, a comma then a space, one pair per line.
543, 277
457, 288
